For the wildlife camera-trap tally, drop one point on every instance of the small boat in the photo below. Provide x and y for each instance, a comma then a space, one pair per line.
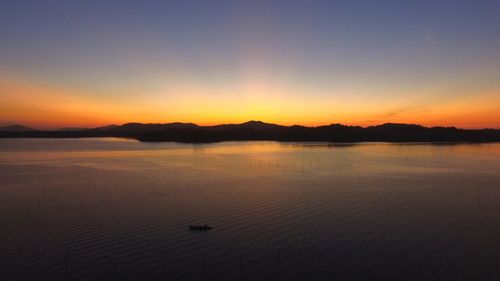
203, 227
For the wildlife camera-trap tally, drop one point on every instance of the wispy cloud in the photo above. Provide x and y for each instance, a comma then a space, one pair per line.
410, 110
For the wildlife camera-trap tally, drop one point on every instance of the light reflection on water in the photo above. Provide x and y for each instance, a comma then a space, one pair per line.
116, 209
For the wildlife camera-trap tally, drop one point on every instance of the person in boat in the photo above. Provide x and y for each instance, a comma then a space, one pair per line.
200, 227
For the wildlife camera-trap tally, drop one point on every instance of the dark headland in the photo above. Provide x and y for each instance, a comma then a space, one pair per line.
257, 130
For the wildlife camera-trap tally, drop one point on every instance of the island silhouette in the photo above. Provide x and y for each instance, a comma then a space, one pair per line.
258, 130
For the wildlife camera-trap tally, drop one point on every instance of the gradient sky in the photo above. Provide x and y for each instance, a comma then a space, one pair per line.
91, 63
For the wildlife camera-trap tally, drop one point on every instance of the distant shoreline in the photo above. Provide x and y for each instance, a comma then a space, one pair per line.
291, 142
260, 131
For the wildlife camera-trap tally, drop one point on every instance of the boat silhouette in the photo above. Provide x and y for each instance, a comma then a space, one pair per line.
203, 227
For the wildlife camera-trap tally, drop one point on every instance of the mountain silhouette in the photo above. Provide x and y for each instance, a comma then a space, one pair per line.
16, 128
258, 130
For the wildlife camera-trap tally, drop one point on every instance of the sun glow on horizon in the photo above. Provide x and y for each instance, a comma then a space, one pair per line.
48, 107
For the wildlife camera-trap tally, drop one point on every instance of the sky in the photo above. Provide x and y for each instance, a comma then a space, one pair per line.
89, 63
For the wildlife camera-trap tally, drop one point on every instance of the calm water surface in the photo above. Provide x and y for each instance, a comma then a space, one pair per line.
114, 209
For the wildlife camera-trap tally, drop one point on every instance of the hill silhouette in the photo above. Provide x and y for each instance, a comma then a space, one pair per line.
16, 128
258, 130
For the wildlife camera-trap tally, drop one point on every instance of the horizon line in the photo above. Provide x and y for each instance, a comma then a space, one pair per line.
10, 124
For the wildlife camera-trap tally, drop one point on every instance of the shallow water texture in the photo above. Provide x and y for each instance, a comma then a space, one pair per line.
115, 209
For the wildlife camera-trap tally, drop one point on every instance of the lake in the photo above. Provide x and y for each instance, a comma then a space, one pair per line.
117, 209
